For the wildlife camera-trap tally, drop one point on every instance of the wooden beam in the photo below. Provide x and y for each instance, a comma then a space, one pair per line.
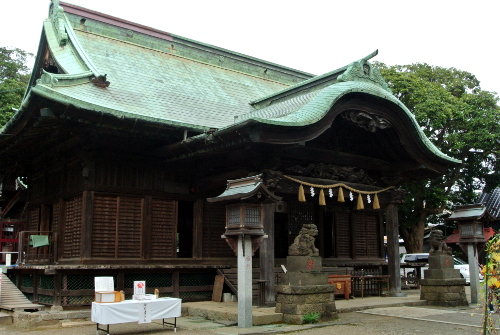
305, 153
266, 254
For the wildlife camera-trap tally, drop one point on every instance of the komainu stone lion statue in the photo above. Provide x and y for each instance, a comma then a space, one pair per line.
303, 245
438, 245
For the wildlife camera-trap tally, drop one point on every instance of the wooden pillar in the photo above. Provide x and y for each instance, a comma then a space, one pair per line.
44, 218
198, 229
392, 230
57, 289
120, 281
266, 254
176, 284
36, 281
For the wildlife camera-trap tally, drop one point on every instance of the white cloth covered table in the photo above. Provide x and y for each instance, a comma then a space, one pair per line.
128, 310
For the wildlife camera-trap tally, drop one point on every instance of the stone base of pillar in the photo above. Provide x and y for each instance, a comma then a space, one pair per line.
304, 290
444, 292
443, 285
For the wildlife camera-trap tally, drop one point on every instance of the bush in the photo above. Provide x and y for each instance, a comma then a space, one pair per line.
311, 317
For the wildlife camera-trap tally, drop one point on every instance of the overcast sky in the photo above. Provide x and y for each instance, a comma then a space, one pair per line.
313, 36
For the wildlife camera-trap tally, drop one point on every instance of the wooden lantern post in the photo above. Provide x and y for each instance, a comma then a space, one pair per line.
470, 219
244, 233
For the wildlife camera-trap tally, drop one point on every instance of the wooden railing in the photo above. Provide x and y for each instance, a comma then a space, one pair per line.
37, 247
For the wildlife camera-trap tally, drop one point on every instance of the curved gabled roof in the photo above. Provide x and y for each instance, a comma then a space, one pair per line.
309, 108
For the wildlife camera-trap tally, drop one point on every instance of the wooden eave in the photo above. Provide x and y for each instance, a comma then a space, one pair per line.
408, 154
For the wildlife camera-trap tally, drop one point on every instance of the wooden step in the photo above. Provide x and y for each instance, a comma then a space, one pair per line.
11, 298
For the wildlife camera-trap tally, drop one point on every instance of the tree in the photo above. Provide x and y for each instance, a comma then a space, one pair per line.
14, 78
463, 121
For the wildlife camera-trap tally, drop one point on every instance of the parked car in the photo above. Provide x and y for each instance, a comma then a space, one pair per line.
410, 273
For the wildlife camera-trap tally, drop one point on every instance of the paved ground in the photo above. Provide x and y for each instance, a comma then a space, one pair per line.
387, 321
377, 319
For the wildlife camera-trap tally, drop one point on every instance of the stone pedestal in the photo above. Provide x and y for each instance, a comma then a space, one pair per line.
304, 289
443, 285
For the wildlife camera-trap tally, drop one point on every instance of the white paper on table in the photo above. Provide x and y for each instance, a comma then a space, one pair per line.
104, 284
139, 287
144, 312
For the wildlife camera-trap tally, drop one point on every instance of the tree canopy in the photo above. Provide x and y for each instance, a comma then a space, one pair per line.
463, 121
14, 77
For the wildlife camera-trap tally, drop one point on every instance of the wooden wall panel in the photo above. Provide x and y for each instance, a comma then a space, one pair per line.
129, 234
72, 227
372, 237
74, 178
56, 214
117, 226
104, 226
163, 225
342, 234
37, 188
34, 219
125, 175
214, 223
366, 235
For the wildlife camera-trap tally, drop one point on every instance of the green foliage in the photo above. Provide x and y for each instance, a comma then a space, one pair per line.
311, 317
463, 121
14, 78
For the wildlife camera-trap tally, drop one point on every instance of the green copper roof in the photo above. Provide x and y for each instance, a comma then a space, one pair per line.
110, 68
149, 84
311, 107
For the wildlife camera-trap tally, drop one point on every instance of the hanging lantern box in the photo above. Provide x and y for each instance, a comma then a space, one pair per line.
471, 231
244, 219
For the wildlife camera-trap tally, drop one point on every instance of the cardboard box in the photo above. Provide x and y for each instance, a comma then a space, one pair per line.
106, 297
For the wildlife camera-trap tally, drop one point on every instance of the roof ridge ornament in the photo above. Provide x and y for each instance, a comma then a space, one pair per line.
362, 70
56, 13
100, 81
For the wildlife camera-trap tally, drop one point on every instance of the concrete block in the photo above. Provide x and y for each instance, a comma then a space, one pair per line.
294, 289
443, 282
328, 316
304, 264
451, 296
258, 320
442, 274
303, 278
293, 319
302, 309
304, 298
441, 262
330, 307
5, 319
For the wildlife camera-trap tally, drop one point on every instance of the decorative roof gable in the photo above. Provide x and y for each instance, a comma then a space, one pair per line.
362, 70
